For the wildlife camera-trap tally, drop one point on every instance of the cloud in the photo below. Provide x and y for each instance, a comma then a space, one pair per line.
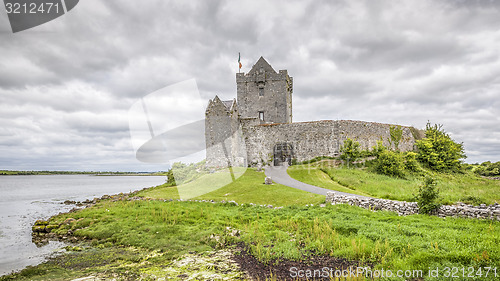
66, 86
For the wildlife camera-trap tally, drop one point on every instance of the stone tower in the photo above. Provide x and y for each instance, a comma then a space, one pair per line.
264, 95
257, 129
224, 143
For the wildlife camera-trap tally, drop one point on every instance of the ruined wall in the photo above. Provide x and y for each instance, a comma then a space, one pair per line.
223, 136
318, 138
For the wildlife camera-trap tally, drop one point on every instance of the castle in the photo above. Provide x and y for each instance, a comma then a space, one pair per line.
257, 128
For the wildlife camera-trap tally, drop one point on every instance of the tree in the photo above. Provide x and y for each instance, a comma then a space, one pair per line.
170, 178
438, 151
427, 196
350, 151
396, 134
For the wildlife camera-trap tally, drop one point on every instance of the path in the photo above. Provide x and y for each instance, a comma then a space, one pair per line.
279, 175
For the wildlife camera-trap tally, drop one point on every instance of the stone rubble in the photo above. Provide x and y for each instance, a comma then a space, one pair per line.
404, 208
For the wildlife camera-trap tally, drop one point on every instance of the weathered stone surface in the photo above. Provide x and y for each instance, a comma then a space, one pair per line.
247, 131
268, 181
409, 208
264, 90
317, 138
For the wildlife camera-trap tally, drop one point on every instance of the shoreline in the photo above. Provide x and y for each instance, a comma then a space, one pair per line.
93, 234
27, 199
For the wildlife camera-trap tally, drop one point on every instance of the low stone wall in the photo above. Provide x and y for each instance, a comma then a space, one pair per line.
409, 208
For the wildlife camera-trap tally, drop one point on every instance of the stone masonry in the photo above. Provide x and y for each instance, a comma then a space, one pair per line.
257, 129
403, 208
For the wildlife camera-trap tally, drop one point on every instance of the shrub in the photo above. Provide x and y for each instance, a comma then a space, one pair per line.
378, 149
350, 151
170, 178
396, 134
438, 151
427, 196
411, 163
488, 169
390, 163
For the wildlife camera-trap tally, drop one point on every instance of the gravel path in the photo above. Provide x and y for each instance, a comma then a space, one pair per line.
279, 175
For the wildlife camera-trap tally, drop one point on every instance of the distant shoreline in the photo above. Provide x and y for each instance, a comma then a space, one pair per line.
38, 173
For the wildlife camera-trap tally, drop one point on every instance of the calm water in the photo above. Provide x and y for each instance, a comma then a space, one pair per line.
24, 199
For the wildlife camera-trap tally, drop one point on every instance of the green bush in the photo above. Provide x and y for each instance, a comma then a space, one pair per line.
488, 169
390, 163
378, 149
170, 178
350, 151
427, 196
396, 134
411, 163
182, 173
438, 151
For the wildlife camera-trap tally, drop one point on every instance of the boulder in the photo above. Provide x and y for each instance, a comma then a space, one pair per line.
268, 181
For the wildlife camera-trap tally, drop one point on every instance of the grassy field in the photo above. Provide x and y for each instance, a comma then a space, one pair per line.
172, 229
153, 238
467, 187
249, 188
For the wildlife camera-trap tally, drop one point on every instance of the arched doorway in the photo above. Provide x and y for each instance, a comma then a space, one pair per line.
283, 153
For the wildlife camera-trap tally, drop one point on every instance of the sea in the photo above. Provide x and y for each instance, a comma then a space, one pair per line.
25, 199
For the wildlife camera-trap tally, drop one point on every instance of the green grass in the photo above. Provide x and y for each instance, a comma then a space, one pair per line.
137, 238
248, 188
293, 232
467, 187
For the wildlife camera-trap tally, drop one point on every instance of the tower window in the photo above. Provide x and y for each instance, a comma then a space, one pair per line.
261, 115
261, 92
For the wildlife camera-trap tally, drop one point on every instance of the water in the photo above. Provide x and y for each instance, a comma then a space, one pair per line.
24, 199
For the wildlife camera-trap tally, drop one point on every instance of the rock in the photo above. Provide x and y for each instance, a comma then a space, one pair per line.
268, 181
38, 228
408, 208
41, 222
69, 221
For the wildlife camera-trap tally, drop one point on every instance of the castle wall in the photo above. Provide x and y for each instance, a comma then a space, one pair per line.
223, 137
319, 138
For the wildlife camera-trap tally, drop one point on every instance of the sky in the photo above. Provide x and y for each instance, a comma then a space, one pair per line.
67, 86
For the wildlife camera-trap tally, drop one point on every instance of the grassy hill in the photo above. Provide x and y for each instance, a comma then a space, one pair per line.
153, 238
248, 188
465, 187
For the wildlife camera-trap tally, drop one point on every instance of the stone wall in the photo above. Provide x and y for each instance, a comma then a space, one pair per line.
409, 208
223, 136
318, 138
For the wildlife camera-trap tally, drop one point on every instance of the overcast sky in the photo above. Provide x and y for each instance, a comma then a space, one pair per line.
66, 86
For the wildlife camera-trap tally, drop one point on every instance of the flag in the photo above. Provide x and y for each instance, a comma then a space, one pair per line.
239, 58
